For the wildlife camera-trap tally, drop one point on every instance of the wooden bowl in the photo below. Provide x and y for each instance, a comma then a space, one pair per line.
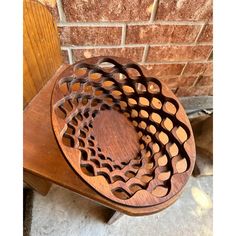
124, 133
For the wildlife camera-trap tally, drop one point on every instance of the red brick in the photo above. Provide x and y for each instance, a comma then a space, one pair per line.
200, 91
209, 69
52, 7
178, 53
206, 34
187, 81
65, 57
161, 33
195, 68
103, 10
182, 92
179, 81
171, 82
184, 10
210, 91
90, 35
204, 81
164, 69
134, 53
210, 57
194, 91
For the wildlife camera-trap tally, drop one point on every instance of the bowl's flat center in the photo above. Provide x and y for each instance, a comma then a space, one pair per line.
116, 136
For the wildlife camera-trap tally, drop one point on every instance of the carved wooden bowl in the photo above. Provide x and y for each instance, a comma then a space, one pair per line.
124, 133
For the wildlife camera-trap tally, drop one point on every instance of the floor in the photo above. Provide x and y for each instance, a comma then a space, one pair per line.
64, 213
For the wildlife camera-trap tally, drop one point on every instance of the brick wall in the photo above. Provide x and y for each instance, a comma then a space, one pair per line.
171, 38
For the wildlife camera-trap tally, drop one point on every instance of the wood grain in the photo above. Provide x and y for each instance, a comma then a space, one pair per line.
35, 182
41, 48
43, 157
132, 179
116, 136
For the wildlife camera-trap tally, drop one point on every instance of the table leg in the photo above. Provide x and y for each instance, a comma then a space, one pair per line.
37, 183
116, 216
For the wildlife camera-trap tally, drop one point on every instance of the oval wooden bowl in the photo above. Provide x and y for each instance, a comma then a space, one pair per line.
124, 133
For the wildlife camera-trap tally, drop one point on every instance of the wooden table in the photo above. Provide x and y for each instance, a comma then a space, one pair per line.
44, 162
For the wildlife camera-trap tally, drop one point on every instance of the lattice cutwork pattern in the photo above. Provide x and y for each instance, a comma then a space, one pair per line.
164, 161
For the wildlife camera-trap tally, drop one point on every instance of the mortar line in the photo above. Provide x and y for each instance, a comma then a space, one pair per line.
200, 31
120, 24
61, 13
154, 11
209, 56
123, 35
183, 69
71, 61
160, 63
145, 53
140, 62
170, 77
174, 62
101, 46
167, 63
179, 44
90, 24
68, 54
166, 22
196, 80
135, 45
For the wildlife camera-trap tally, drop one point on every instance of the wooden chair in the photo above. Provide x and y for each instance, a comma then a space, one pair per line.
44, 162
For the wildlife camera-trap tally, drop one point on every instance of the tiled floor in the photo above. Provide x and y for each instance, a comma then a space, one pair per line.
64, 213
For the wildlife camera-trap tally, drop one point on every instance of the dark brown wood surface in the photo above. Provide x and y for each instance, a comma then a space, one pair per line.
116, 136
43, 157
41, 49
